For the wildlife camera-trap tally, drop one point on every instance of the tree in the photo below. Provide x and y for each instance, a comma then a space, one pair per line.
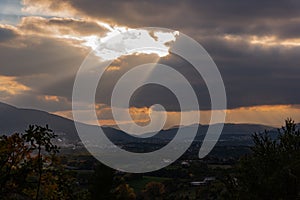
154, 190
102, 182
272, 171
124, 192
39, 139
14, 165
30, 169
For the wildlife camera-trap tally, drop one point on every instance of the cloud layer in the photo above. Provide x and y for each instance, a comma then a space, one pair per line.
255, 44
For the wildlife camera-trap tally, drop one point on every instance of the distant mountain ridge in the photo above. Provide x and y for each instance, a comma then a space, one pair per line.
235, 134
13, 119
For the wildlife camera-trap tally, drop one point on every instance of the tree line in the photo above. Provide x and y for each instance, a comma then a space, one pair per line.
30, 168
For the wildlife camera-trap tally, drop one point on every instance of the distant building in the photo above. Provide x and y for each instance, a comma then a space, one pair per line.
185, 164
197, 183
71, 168
206, 181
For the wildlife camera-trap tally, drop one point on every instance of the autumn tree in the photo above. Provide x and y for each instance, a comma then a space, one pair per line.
30, 168
124, 192
15, 162
154, 190
39, 139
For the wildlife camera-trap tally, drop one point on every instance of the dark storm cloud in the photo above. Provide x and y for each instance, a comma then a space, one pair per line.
253, 74
39, 63
206, 17
39, 55
6, 34
256, 75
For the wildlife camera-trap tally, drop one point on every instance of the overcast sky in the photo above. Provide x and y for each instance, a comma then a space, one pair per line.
255, 44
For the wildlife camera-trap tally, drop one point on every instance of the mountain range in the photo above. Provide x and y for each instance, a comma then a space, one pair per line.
13, 119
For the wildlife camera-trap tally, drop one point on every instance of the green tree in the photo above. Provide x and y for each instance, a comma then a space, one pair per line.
272, 171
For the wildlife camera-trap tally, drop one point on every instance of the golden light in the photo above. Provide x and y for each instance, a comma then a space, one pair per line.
267, 41
10, 86
121, 41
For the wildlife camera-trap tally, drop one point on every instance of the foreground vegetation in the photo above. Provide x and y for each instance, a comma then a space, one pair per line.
31, 167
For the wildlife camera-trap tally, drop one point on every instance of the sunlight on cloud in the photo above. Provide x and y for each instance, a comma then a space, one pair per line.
49, 98
265, 114
263, 40
60, 27
9, 85
46, 8
46, 19
60, 21
112, 68
271, 115
119, 40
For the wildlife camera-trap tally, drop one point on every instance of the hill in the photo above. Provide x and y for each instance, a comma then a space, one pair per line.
13, 119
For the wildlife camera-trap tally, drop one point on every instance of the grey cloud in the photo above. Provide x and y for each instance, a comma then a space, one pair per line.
66, 26
34, 100
6, 34
40, 55
256, 75
253, 74
40, 63
296, 106
203, 17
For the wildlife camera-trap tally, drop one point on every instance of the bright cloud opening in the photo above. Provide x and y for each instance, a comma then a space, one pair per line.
122, 41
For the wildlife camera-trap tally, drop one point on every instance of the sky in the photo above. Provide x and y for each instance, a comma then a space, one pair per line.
255, 44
